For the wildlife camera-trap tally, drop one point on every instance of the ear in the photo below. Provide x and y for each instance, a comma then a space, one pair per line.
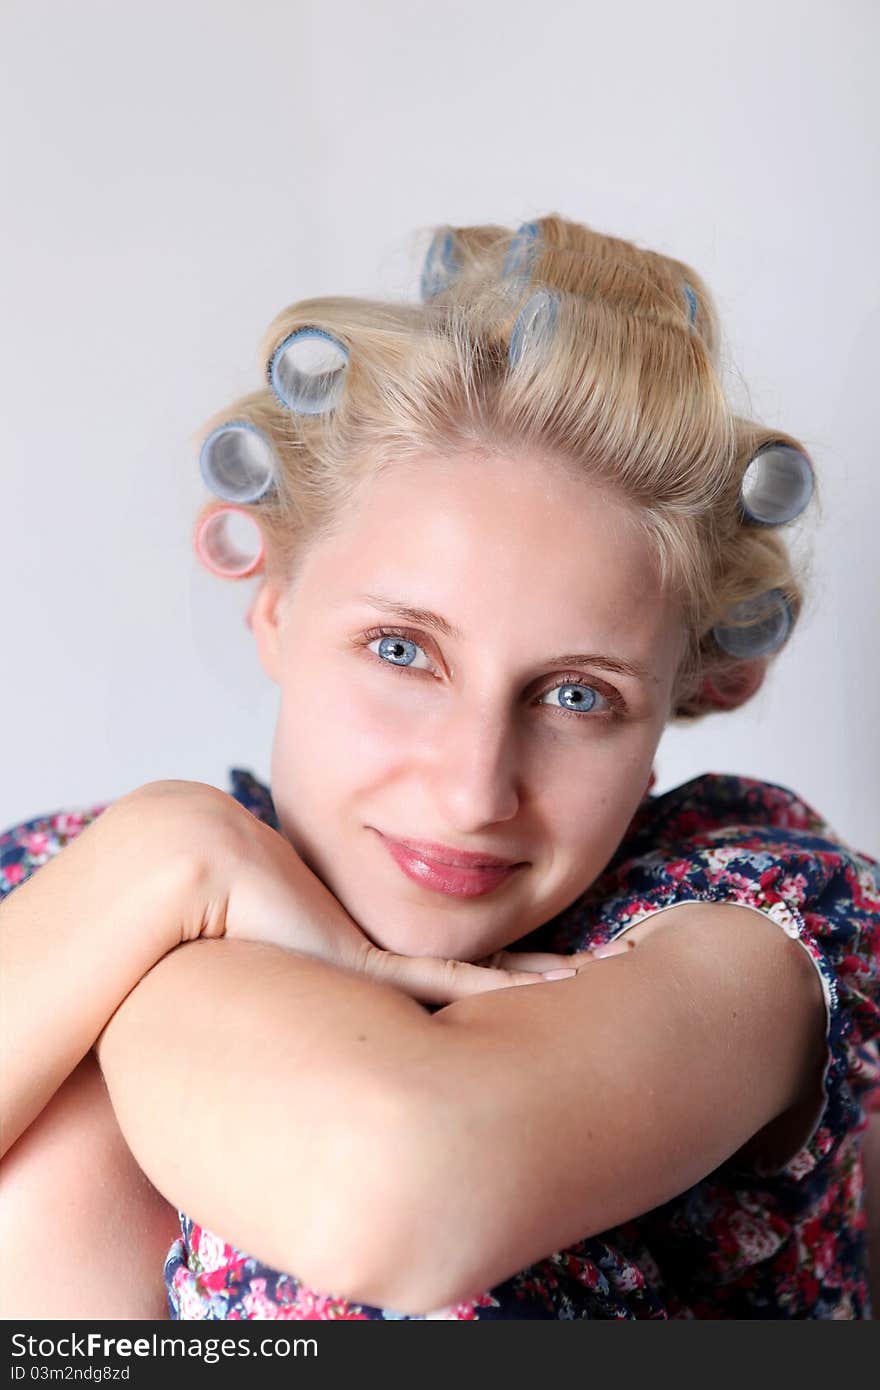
737, 686
264, 620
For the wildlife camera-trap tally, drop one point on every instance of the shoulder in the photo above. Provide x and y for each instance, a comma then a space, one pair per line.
725, 839
714, 802
25, 847
721, 838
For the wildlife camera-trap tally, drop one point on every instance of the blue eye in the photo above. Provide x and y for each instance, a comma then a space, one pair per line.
576, 698
397, 650
579, 698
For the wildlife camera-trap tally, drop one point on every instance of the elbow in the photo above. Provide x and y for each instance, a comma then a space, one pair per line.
416, 1289
409, 1278
398, 1275
391, 1237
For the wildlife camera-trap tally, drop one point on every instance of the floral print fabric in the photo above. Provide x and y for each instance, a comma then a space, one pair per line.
744, 1242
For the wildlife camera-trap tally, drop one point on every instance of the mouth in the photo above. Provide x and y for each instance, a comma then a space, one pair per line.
457, 873
457, 858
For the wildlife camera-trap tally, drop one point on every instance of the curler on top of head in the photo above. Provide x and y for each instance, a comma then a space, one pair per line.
534, 327
229, 543
441, 264
691, 301
755, 627
307, 371
776, 486
523, 251
237, 462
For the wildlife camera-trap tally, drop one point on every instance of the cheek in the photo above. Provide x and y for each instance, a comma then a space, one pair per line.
333, 735
587, 804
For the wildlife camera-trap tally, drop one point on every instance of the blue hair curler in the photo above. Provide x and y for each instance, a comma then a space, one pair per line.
307, 371
522, 252
534, 327
691, 303
776, 486
755, 627
237, 462
441, 264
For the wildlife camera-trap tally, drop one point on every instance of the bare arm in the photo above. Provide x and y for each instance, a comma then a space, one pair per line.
499, 1127
172, 861
227, 1047
74, 939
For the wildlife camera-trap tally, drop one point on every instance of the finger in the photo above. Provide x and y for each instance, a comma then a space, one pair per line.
532, 960
434, 981
614, 948
546, 960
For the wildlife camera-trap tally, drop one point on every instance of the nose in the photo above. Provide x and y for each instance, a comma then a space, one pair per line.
476, 776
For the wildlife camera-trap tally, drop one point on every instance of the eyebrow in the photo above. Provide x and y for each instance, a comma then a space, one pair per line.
425, 618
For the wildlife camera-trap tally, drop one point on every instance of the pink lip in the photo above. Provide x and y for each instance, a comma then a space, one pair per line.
459, 858
463, 879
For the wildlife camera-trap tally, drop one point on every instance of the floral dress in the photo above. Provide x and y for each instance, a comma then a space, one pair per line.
745, 1241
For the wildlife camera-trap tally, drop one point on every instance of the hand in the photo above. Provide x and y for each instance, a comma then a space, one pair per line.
251, 884
546, 961
274, 896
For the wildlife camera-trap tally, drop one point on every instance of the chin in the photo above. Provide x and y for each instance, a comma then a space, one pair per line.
443, 942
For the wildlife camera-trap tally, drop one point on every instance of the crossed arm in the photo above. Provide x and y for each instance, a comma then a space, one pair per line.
503, 1127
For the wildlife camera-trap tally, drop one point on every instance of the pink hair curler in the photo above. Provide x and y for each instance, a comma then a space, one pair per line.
222, 551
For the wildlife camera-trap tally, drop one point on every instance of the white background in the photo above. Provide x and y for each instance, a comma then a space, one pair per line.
174, 174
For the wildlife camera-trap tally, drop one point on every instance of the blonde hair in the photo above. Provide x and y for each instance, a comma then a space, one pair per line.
627, 393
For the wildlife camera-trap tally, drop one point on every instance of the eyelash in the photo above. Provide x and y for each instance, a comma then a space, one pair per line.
615, 700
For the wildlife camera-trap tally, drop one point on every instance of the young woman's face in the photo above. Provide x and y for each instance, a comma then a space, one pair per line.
515, 734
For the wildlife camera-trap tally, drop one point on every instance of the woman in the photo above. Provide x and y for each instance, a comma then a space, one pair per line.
507, 536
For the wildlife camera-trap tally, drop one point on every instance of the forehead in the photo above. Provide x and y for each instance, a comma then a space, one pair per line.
514, 540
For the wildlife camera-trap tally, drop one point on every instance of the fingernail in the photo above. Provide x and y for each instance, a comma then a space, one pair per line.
614, 948
558, 974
